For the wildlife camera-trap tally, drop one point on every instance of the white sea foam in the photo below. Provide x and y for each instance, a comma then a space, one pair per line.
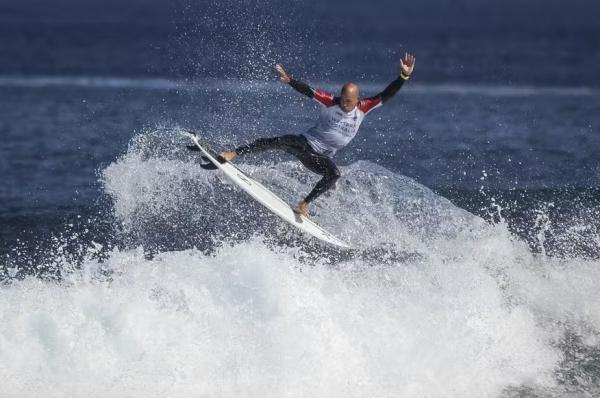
249, 321
472, 314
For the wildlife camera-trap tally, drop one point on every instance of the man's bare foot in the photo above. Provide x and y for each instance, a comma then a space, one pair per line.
228, 156
302, 209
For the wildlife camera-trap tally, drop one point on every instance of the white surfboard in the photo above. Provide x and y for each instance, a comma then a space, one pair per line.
268, 199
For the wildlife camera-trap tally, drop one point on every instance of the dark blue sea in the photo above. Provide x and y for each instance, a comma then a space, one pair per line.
472, 200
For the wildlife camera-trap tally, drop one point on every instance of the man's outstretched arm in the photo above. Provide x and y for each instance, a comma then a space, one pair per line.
407, 65
297, 85
318, 95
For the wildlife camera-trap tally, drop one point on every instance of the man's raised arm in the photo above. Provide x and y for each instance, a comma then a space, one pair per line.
320, 96
407, 65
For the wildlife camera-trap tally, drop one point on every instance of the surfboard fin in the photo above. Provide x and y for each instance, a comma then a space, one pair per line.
208, 166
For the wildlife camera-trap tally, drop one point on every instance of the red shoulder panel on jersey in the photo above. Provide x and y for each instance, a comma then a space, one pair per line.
324, 97
369, 104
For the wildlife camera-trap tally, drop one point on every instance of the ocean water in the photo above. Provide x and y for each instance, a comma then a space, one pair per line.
471, 200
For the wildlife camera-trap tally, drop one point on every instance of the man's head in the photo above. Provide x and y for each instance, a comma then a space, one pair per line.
349, 97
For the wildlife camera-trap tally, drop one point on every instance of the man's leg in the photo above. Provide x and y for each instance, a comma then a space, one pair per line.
299, 147
321, 165
284, 142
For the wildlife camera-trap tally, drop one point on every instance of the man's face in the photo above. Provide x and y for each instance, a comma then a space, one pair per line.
349, 97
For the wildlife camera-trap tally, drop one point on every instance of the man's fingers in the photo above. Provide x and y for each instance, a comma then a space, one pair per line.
407, 63
406, 59
281, 72
409, 60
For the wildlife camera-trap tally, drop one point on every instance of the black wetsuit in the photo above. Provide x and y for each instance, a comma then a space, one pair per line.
298, 146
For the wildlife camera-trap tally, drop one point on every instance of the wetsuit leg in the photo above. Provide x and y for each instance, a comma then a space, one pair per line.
321, 165
289, 143
299, 147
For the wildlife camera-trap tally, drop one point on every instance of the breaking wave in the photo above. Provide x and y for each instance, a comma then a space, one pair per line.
210, 295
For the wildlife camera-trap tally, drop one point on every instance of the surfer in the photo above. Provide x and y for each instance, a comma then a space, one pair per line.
338, 123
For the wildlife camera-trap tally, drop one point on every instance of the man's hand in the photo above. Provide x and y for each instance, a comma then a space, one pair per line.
407, 64
281, 72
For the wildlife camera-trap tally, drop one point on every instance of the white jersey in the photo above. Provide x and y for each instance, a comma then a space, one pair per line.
336, 128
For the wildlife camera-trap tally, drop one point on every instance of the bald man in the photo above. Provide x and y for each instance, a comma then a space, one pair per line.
337, 125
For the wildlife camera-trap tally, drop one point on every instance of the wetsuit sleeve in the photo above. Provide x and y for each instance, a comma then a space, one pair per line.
302, 88
392, 88
376, 101
320, 96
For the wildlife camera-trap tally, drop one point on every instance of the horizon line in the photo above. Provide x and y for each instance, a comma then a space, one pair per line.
166, 84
